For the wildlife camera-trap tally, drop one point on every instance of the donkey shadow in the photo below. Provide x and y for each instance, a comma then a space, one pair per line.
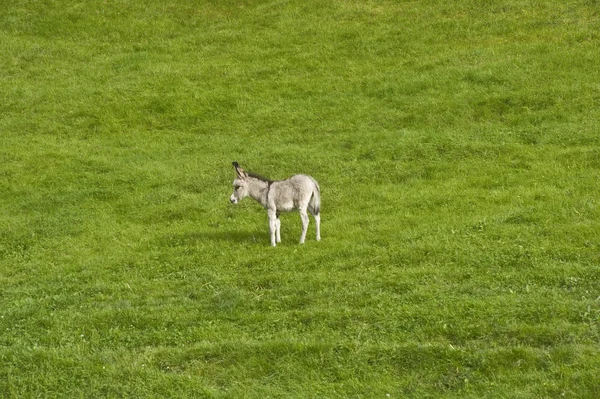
238, 236
233, 236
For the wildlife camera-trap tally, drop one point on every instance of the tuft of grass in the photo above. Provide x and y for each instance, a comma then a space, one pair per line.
457, 151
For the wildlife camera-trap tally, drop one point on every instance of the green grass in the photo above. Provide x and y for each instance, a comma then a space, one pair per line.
457, 148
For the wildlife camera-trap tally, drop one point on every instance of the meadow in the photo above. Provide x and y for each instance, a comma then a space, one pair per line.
458, 152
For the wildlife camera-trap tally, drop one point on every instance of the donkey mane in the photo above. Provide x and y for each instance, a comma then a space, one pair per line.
259, 177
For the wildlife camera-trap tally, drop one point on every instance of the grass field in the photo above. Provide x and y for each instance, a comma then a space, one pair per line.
458, 151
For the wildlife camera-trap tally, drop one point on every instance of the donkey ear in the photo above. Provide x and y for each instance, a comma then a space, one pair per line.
239, 171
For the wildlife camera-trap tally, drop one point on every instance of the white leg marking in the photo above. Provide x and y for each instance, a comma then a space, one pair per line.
278, 230
318, 224
304, 218
273, 227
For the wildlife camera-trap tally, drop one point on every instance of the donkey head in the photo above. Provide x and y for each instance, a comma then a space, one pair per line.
240, 184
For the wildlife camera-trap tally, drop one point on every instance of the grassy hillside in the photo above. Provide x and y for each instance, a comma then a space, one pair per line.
458, 152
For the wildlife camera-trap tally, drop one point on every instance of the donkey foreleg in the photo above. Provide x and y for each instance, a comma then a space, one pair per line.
273, 227
304, 217
278, 228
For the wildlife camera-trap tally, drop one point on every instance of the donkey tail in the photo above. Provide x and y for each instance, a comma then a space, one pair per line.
315, 199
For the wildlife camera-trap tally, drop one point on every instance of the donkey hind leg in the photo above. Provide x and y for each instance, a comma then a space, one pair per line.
278, 228
317, 217
304, 217
273, 227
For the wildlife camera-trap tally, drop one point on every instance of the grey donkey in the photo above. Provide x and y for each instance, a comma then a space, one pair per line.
300, 192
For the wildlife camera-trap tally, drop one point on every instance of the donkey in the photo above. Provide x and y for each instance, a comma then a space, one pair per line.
300, 192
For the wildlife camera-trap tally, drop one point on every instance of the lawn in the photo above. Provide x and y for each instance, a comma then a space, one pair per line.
457, 148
